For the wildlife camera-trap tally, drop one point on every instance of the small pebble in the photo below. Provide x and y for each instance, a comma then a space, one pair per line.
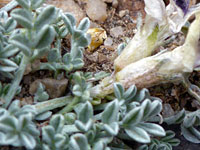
69, 6
108, 41
116, 31
55, 88
96, 10
115, 3
122, 13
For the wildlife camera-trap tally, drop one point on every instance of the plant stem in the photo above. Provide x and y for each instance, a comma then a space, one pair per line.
52, 104
70, 106
16, 81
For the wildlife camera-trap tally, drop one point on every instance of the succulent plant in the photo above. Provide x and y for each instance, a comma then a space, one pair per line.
190, 121
164, 143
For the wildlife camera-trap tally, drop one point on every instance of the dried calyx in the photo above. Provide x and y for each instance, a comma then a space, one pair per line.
133, 66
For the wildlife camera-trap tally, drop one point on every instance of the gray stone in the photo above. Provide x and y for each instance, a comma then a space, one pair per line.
116, 31
55, 88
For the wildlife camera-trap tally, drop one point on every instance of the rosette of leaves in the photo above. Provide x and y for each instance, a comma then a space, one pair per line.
80, 89
41, 94
127, 116
79, 40
85, 133
190, 122
16, 126
164, 143
135, 116
52, 136
7, 25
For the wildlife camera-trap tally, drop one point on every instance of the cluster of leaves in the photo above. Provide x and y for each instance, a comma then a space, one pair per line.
17, 127
79, 39
7, 25
190, 122
128, 115
164, 143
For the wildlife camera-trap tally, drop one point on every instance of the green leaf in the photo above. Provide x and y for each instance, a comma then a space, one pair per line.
7, 69
77, 90
57, 121
110, 114
36, 3
22, 43
14, 107
81, 39
68, 24
3, 15
47, 66
8, 124
130, 93
63, 31
146, 105
141, 95
84, 25
38, 53
153, 129
189, 120
70, 118
53, 55
71, 19
48, 133
43, 116
24, 3
138, 134
84, 127
23, 17
41, 94
119, 91
85, 112
8, 62
10, 25
153, 146
169, 135
60, 141
99, 145
67, 59
191, 134
8, 51
156, 108
176, 119
78, 142
133, 117
28, 140
112, 128
143, 147
164, 147
78, 63
174, 142
46, 17
45, 37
